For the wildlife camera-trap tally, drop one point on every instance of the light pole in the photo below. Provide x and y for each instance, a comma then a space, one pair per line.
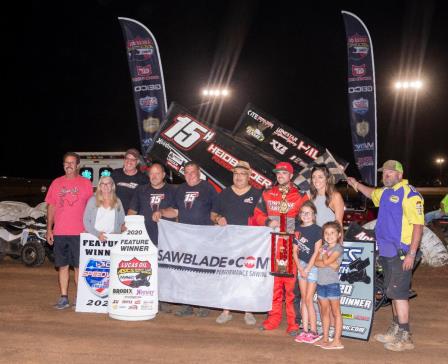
440, 162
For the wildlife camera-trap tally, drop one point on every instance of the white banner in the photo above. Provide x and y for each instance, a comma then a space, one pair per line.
94, 266
213, 266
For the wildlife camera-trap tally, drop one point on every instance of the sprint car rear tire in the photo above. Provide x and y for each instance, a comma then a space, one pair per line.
33, 254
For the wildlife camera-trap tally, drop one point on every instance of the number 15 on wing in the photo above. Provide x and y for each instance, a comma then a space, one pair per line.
187, 132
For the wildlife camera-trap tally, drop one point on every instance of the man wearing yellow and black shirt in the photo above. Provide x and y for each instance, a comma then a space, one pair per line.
399, 229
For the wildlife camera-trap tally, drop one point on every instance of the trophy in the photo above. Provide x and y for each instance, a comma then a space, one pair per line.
281, 242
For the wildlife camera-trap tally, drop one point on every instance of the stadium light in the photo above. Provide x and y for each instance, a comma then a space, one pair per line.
409, 85
216, 92
439, 162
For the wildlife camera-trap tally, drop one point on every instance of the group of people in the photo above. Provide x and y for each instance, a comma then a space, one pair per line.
314, 219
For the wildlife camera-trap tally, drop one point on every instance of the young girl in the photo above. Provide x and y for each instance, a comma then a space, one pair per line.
307, 242
328, 291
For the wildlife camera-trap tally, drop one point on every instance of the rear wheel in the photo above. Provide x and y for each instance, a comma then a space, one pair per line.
33, 254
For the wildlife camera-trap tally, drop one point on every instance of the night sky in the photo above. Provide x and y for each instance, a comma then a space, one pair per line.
67, 84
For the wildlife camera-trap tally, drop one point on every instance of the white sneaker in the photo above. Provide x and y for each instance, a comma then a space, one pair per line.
249, 319
223, 318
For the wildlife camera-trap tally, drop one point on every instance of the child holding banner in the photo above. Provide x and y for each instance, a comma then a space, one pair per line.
307, 242
328, 290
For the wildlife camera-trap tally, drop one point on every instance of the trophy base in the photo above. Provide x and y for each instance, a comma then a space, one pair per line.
285, 275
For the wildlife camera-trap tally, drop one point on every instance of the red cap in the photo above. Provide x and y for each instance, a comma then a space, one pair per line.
283, 166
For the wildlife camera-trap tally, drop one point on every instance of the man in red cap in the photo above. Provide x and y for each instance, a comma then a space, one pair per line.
267, 212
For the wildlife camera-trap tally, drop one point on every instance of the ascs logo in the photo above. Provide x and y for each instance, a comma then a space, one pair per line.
358, 46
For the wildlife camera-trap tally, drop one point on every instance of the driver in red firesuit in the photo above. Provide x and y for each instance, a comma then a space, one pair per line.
267, 213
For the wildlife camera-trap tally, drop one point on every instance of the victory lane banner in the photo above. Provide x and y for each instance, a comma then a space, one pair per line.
94, 270
148, 85
224, 267
184, 138
361, 96
357, 278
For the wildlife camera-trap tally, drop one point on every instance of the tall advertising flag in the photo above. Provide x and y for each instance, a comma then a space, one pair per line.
361, 96
147, 80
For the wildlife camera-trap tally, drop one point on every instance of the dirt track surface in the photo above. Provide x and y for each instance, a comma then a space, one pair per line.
32, 331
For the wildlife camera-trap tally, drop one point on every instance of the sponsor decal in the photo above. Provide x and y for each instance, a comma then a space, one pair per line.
278, 147
144, 70
275, 205
358, 89
362, 128
360, 106
134, 273
228, 161
358, 71
358, 46
288, 137
351, 328
364, 162
151, 124
310, 151
419, 207
266, 123
394, 199
96, 275
148, 103
144, 88
140, 49
121, 291
223, 265
175, 161
255, 132
361, 147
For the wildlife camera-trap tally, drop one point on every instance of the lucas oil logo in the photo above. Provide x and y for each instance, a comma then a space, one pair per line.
134, 273
96, 275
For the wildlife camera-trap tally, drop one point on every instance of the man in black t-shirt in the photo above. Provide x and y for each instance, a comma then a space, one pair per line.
148, 199
234, 206
128, 178
192, 205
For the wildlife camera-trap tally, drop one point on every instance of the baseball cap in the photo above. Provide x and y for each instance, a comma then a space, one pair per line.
283, 166
392, 166
242, 164
134, 152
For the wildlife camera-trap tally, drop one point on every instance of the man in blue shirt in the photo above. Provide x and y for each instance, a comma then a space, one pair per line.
399, 229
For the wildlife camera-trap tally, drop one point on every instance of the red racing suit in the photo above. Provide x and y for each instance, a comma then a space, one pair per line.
266, 210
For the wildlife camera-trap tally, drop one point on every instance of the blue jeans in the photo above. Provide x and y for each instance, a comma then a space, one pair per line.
329, 291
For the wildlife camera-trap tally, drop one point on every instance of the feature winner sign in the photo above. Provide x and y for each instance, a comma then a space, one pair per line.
94, 267
357, 278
